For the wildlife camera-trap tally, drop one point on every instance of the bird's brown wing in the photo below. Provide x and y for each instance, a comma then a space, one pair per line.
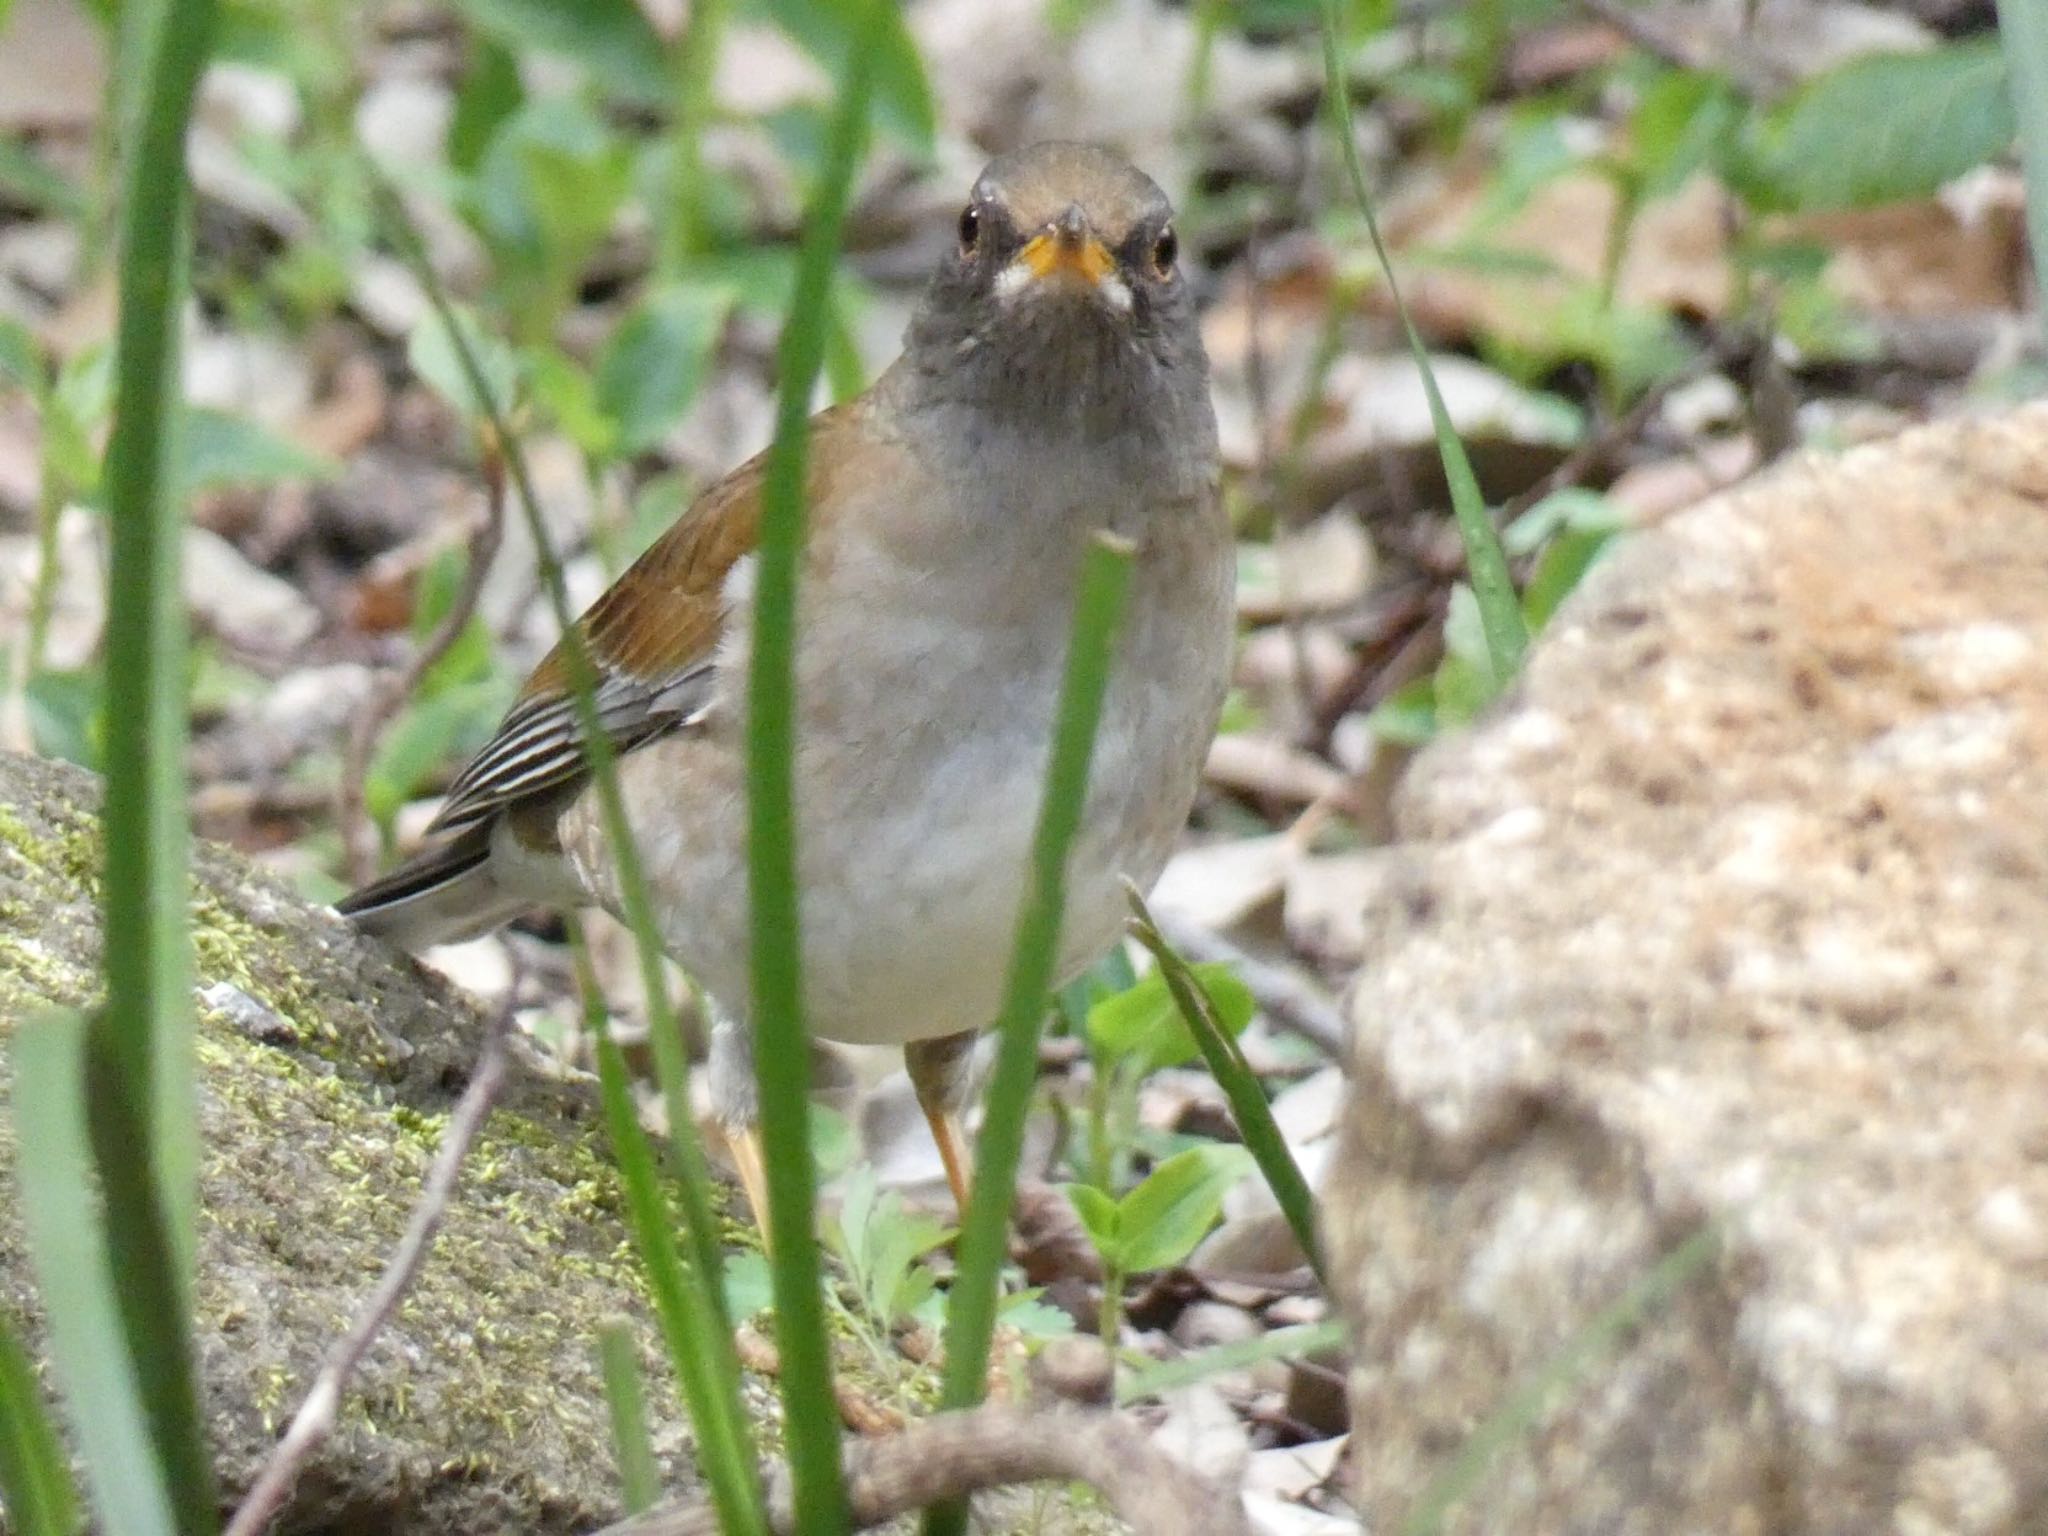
652, 638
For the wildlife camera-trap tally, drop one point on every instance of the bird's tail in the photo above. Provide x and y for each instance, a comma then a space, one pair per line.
439, 896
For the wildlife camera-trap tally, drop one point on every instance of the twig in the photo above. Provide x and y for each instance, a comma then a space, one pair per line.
1596, 450
954, 1454
857, 1411
386, 700
1286, 999
315, 1420
1752, 73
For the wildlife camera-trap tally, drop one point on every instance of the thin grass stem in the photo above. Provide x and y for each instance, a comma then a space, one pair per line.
1248, 1106
702, 1355
139, 1068
712, 1394
2024, 30
1507, 634
626, 1396
35, 1481
776, 1011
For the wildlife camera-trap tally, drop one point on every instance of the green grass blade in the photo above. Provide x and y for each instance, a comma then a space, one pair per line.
2024, 29
149, 1288
698, 1342
1507, 635
984, 1231
1525, 1407
148, 968
35, 1480
710, 1374
1248, 1106
626, 1396
781, 1048
138, 1058
700, 1220
67, 1244
1282, 1344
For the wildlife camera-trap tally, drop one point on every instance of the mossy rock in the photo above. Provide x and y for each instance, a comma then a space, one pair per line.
326, 1067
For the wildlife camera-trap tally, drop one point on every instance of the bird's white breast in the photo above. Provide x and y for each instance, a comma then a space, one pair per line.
924, 741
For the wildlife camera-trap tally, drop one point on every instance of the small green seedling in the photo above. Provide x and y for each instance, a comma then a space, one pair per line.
883, 1243
1131, 1034
1158, 1223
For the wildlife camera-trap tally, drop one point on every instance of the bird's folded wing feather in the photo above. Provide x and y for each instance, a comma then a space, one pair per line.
651, 638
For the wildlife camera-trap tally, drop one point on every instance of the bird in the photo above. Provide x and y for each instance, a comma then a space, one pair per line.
1052, 387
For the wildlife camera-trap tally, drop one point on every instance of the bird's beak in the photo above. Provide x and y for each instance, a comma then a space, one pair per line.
1067, 250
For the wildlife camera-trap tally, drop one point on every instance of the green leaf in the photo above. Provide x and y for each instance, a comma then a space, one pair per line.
1559, 570
902, 95
1256, 1126
35, 1480
21, 361
65, 717
544, 197
426, 735
1573, 528
74, 410
1296, 1343
490, 93
880, 1241
433, 357
1681, 124
565, 391
218, 449
611, 39
1407, 716
1141, 1023
658, 359
834, 1144
1887, 127
1035, 1318
748, 1288
1159, 1222
28, 178
1574, 507
626, 1395
67, 1243
1098, 1213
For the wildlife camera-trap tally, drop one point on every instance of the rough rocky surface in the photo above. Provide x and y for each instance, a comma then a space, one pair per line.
1736, 913
326, 1068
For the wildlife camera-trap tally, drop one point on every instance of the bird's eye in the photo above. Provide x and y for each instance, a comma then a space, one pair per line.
970, 229
1164, 251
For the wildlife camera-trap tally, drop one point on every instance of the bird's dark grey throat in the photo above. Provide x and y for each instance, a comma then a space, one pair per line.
1061, 357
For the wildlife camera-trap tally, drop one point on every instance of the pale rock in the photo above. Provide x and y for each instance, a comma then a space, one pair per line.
1745, 935
242, 602
1203, 1433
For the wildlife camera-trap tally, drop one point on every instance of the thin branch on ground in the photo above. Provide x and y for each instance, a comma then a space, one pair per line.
357, 836
1599, 450
315, 1420
952, 1455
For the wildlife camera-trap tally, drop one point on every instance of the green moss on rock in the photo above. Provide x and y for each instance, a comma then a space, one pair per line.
324, 1087
481, 1403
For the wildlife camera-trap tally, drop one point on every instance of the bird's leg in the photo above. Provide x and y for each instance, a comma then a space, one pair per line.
942, 1076
736, 1101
